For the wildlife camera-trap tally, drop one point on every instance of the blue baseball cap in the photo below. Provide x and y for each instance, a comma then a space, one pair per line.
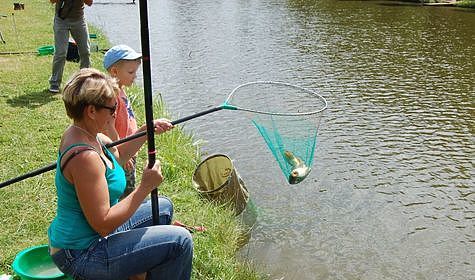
119, 52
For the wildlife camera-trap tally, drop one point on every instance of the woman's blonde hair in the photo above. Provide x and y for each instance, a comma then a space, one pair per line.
88, 86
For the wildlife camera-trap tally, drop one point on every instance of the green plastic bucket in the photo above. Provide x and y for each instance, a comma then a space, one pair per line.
45, 50
35, 263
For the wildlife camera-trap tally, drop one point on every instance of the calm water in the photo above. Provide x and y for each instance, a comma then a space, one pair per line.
392, 191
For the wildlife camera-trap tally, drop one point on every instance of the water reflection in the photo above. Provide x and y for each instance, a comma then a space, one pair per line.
391, 194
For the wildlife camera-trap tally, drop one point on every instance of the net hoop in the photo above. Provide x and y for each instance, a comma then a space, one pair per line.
325, 104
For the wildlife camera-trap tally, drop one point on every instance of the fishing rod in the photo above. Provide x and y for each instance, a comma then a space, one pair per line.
52, 166
115, 3
17, 52
36, 52
147, 78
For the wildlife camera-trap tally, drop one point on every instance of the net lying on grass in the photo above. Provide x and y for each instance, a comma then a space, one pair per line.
287, 117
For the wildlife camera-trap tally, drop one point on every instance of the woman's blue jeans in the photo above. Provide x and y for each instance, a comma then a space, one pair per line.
163, 251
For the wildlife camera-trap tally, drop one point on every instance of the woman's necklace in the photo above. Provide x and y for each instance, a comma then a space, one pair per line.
90, 135
85, 131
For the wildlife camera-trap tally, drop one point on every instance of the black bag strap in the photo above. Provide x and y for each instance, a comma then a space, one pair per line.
77, 152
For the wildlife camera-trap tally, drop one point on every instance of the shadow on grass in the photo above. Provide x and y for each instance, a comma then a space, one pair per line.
32, 100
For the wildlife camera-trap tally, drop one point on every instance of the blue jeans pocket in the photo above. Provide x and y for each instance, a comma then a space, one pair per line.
63, 260
70, 262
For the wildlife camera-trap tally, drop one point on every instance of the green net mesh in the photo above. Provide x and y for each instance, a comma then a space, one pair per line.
283, 134
288, 118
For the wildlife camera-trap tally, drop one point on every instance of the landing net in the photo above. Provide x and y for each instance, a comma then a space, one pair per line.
287, 117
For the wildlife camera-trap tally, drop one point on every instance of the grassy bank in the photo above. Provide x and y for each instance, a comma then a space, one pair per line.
466, 4
30, 127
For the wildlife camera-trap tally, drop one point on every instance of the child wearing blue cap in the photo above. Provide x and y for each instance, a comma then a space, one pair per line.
122, 63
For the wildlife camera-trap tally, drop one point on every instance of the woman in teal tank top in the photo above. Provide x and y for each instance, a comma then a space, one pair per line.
94, 235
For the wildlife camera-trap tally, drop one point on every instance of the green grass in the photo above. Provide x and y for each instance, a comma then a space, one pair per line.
30, 128
466, 4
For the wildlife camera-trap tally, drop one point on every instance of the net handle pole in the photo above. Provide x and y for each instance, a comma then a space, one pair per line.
28, 175
52, 166
175, 122
199, 114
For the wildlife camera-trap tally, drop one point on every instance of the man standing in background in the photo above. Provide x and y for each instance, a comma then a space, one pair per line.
68, 18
